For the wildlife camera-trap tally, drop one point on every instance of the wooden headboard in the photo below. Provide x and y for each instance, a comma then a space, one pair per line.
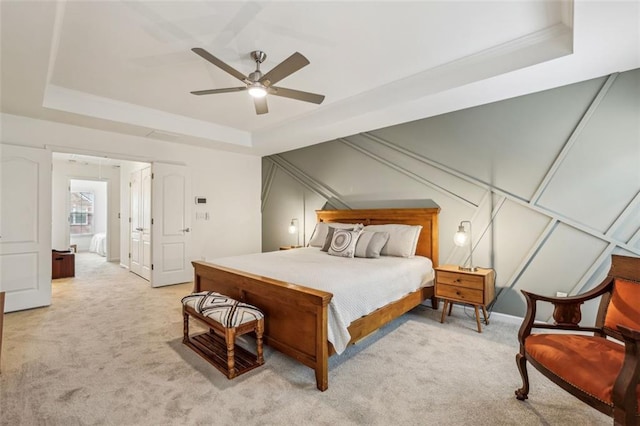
427, 217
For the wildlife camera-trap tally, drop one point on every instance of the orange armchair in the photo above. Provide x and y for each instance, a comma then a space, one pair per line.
593, 367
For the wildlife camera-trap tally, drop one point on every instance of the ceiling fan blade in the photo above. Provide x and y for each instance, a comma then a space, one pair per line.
284, 69
261, 105
214, 91
296, 94
217, 62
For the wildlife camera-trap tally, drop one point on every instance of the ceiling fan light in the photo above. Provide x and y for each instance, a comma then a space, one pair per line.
257, 90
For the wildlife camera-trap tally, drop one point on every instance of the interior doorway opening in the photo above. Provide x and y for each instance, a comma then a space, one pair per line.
88, 216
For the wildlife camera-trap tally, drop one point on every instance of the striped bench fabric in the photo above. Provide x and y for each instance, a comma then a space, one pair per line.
222, 309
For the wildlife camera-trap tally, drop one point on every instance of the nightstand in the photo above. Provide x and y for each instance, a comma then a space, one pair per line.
473, 288
289, 247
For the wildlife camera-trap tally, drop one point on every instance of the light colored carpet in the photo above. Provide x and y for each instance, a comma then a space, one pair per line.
108, 351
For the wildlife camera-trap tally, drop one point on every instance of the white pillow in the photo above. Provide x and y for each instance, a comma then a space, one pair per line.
322, 228
344, 243
403, 239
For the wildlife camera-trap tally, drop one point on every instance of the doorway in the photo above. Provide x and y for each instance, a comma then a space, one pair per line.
87, 216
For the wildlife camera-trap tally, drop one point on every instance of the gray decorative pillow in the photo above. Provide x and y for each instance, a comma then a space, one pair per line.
370, 243
344, 243
331, 230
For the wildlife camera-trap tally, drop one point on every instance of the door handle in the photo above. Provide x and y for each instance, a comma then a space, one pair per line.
185, 230
139, 229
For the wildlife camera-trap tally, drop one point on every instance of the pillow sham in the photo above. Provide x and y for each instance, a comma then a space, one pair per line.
370, 244
319, 235
403, 239
344, 242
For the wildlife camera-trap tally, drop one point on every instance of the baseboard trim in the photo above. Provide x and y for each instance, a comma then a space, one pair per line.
495, 316
506, 318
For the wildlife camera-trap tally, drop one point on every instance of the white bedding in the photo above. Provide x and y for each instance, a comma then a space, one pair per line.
99, 244
359, 285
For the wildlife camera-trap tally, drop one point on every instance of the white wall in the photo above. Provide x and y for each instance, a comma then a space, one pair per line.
230, 181
62, 172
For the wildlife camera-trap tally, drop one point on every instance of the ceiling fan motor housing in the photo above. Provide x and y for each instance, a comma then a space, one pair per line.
255, 76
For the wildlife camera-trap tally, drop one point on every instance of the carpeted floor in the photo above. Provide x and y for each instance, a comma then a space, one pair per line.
108, 351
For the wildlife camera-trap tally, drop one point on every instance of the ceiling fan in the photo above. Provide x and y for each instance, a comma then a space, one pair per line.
259, 85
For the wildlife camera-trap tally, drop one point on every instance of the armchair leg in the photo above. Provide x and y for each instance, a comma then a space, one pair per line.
523, 392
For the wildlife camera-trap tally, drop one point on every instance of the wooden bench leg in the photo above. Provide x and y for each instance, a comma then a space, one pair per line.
259, 332
185, 337
230, 338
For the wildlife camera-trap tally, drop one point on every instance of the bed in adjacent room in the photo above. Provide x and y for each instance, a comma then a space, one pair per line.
317, 302
99, 244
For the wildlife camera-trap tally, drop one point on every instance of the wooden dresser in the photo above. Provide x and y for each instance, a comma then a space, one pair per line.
472, 288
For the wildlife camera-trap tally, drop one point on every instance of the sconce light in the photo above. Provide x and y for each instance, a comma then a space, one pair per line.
294, 229
460, 239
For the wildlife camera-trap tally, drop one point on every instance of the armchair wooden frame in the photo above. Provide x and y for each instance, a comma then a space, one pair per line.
567, 315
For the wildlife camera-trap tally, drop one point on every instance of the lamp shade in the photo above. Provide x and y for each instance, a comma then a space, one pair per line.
293, 227
460, 238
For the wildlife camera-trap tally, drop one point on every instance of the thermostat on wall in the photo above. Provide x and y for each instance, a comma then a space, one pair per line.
201, 200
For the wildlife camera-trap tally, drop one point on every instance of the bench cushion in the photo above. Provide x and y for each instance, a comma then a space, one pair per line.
589, 363
224, 310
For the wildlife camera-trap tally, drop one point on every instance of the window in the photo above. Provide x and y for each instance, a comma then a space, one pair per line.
81, 215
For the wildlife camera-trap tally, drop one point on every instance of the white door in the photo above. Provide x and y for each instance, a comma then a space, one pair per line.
140, 231
171, 232
25, 227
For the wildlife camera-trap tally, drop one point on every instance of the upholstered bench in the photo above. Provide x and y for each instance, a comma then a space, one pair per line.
226, 318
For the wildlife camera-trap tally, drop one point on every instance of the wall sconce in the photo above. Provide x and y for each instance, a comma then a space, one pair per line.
460, 239
294, 229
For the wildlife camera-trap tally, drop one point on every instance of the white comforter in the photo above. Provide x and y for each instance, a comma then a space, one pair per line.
359, 285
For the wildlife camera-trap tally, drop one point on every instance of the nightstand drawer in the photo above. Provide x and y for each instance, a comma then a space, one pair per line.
462, 294
461, 280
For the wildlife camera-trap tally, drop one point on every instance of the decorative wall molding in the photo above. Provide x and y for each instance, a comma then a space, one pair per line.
404, 171
308, 182
573, 138
492, 198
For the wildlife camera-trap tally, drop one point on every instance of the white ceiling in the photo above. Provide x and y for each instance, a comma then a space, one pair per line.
127, 66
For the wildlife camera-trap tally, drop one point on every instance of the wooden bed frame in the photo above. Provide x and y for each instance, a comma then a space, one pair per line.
296, 316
